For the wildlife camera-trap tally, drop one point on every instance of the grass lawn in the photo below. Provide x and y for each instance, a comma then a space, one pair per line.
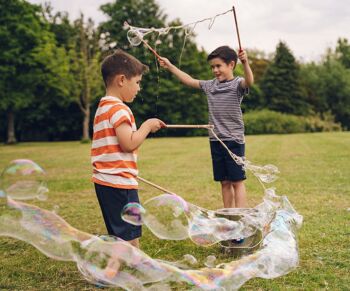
315, 176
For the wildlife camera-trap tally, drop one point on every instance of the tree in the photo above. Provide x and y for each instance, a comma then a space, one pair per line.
335, 84
343, 52
86, 59
162, 94
32, 66
281, 84
81, 40
20, 34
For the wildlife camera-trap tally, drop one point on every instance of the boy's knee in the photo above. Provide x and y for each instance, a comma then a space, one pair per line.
226, 184
237, 183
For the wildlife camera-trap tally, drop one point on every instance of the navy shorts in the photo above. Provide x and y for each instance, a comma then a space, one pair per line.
112, 201
224, 167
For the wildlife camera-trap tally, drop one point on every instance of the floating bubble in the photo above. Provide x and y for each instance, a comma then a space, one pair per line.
23, 179
266, 174
210, 261
171, 223
134, 37
133, 213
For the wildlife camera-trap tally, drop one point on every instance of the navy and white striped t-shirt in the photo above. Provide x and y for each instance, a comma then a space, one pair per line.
224, 103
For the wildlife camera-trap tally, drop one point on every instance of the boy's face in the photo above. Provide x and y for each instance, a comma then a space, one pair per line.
221, 70
130, 88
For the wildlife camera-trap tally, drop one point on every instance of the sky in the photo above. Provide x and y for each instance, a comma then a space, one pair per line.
308, 27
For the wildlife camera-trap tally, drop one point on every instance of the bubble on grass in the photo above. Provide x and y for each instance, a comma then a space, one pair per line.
133, 213
109, 261
24, 179
190, 259
55, 209
210, 261
112, 262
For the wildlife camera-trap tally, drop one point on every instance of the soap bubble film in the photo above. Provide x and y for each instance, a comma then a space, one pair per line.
110, 261
23, 179
133, 213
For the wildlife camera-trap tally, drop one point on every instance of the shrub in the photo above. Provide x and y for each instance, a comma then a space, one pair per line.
267, 121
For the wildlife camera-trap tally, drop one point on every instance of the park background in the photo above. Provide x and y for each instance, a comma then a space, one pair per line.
50, 87
51, 84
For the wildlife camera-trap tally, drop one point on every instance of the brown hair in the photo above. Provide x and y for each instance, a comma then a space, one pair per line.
225, 53
121, 63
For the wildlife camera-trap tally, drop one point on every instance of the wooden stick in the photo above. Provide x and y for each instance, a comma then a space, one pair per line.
154, 185
151, 49
239, 39
207, 126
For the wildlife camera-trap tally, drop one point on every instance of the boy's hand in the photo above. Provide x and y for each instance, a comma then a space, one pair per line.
154, 124
164, 62
242, 55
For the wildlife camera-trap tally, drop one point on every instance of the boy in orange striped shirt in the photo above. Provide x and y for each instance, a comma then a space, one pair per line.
115, 143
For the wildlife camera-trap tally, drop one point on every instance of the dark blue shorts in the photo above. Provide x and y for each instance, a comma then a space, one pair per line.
224, 167
112, 201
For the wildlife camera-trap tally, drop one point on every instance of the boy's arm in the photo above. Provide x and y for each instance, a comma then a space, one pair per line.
181, 75
248, 74
130, 140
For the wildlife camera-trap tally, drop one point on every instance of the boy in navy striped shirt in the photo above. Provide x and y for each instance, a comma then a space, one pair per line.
225, 93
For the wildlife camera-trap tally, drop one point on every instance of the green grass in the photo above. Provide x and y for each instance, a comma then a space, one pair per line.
314, 175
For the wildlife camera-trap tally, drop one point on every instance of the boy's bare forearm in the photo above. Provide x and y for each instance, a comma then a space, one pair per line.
131, 140
184, 77
248, 74
138, 137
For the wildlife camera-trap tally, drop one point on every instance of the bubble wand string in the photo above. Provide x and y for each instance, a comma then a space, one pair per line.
140, 37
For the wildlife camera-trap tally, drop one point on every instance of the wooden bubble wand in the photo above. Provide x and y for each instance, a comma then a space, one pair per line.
237, 30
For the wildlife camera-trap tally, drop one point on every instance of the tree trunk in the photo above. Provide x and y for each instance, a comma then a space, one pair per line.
86, 122
11, 137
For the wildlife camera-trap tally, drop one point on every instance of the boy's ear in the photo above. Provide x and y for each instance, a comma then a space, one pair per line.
119, 80
232, 64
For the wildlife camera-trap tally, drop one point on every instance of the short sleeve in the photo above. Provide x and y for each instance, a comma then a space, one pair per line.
118, 114
242, 91
205, 84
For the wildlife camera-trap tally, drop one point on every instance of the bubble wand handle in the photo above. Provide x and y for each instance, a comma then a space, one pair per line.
237, 30
206, 126
151, 49
155, 185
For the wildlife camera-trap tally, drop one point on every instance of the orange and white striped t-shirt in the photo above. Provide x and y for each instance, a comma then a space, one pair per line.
111, 165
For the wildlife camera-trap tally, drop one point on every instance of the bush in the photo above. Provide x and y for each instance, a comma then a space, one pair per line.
267, 121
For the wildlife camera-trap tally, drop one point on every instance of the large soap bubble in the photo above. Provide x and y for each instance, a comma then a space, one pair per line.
110, 261
171, 223
23, 179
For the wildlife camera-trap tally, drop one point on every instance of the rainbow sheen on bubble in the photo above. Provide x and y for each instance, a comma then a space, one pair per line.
23, 179
133, 213
111, 262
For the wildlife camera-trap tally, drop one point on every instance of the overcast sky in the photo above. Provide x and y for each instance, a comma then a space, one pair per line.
307, 26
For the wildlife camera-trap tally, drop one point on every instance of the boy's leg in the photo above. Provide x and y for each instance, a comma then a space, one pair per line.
239, 194
228, 194
112, 201
135, 242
